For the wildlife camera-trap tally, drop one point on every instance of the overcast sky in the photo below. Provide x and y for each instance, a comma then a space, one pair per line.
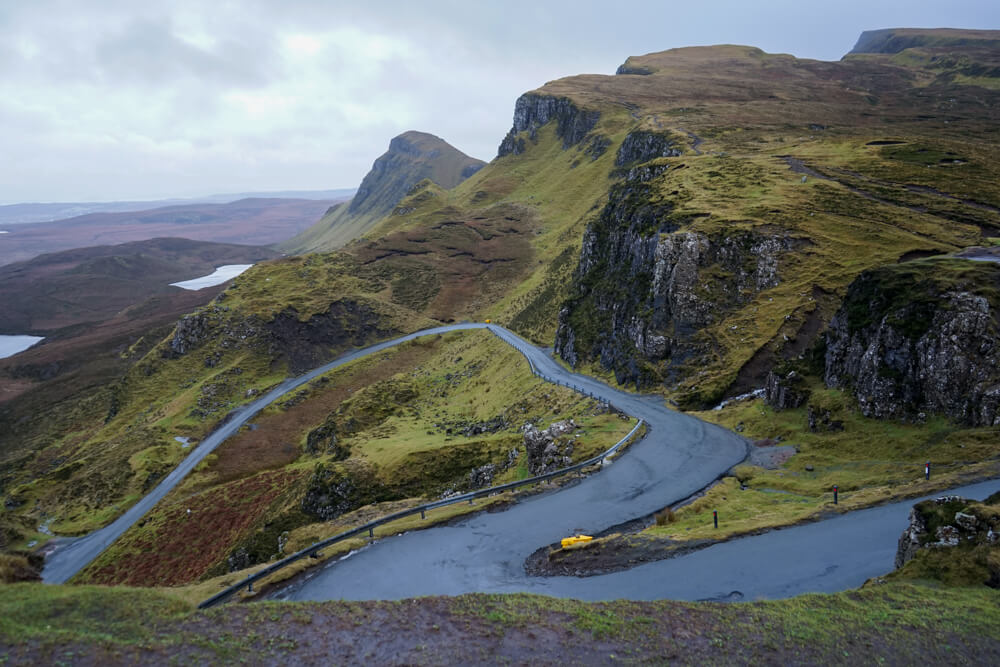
110, 100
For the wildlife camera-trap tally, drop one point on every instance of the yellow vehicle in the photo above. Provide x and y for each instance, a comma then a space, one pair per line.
488, 321
576, 539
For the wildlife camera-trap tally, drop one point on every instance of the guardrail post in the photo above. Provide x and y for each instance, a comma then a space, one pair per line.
423, 515
250, 587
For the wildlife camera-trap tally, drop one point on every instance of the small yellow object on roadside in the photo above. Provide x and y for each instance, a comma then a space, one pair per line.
576, 539
488, 321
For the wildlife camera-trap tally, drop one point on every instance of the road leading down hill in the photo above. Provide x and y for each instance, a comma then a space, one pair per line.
680, 456
486, 553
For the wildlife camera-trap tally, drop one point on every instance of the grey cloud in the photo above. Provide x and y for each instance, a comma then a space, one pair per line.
119, 99
149, 51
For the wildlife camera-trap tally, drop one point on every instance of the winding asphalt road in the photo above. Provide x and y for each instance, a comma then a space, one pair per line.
486, 552
680, 455
72, 556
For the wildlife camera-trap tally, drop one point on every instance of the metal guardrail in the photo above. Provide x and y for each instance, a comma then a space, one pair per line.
369, 527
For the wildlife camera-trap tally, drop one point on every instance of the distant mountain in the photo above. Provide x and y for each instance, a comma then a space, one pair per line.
896, 40
71, 287
247, 221
23, 213
411, 158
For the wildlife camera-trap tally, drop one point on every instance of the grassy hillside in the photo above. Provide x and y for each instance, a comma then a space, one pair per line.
890, 623
100, 309
894, 40
414, 421
840, 167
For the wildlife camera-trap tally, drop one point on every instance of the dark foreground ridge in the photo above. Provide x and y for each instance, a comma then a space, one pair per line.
894, 624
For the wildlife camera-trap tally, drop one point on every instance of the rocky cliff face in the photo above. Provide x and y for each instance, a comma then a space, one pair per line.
645, 146
921, 337
531, 111
643, 290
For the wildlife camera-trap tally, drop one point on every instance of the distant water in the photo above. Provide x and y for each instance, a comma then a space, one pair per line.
11, 345
221, 275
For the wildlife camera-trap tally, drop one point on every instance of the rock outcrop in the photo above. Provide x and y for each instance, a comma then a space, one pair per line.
531, 111
339, 488
642, 146
551, 448
953, 522
785, 392
643, 290
323, 440
921, 337
482, 476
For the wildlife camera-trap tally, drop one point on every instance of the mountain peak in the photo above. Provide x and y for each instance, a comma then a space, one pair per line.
412, 157
420, 142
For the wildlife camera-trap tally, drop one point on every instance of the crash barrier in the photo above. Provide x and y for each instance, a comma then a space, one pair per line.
514, 342
369, 527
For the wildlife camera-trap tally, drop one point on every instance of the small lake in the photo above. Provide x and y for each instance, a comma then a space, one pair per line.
11, 345
219, 276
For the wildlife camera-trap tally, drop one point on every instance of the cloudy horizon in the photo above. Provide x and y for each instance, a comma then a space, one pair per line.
115, 100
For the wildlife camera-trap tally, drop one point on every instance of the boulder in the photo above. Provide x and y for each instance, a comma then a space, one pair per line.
549, 449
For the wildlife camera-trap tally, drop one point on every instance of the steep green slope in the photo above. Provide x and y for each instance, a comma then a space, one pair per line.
412, 157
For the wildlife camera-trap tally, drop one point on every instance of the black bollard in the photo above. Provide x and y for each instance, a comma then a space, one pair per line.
422, 514
371, 533
715, 517
834, 494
